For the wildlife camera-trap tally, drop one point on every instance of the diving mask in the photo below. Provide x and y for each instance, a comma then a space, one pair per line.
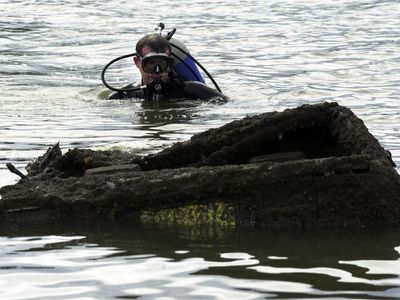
157, 63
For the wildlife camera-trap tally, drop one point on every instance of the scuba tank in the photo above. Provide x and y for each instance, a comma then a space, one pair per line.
185, 66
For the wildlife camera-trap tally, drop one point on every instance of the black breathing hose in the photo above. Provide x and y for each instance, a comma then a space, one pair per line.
108, 65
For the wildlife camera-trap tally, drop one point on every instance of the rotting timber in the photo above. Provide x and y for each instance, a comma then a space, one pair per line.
312, 166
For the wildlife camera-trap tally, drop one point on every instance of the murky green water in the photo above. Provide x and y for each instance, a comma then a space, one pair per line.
266, 55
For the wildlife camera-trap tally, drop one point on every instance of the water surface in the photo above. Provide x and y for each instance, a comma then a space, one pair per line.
266, 56
88, 260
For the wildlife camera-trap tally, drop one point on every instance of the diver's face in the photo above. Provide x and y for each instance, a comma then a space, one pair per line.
149, 77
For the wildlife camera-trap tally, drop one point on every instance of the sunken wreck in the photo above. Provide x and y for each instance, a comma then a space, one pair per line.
312, 166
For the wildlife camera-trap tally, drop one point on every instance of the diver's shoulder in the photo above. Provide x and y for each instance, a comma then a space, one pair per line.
203, 91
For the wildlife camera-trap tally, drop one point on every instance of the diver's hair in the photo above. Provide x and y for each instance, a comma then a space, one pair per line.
155, 41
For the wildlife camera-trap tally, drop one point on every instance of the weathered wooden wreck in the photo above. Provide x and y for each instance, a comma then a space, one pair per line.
312, 166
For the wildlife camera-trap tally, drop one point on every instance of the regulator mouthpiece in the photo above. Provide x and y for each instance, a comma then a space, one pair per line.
158, 87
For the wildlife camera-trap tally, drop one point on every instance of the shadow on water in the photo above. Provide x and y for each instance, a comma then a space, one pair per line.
154, 112
167, 112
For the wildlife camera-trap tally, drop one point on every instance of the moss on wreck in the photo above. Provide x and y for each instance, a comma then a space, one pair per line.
212, 214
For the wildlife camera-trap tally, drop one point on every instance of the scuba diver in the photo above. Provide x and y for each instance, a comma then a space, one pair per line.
165, 75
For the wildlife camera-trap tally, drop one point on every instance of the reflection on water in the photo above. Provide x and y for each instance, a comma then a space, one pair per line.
107, 260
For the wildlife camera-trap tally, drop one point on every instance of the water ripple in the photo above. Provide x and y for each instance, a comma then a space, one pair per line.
265, 55
71, 266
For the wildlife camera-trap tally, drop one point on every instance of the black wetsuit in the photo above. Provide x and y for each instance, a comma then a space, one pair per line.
174, 89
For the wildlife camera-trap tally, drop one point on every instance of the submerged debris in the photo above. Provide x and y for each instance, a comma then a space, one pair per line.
14, 170
312, 166
42, 162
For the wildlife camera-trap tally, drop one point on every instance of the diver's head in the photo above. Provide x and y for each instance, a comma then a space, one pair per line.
153, 58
